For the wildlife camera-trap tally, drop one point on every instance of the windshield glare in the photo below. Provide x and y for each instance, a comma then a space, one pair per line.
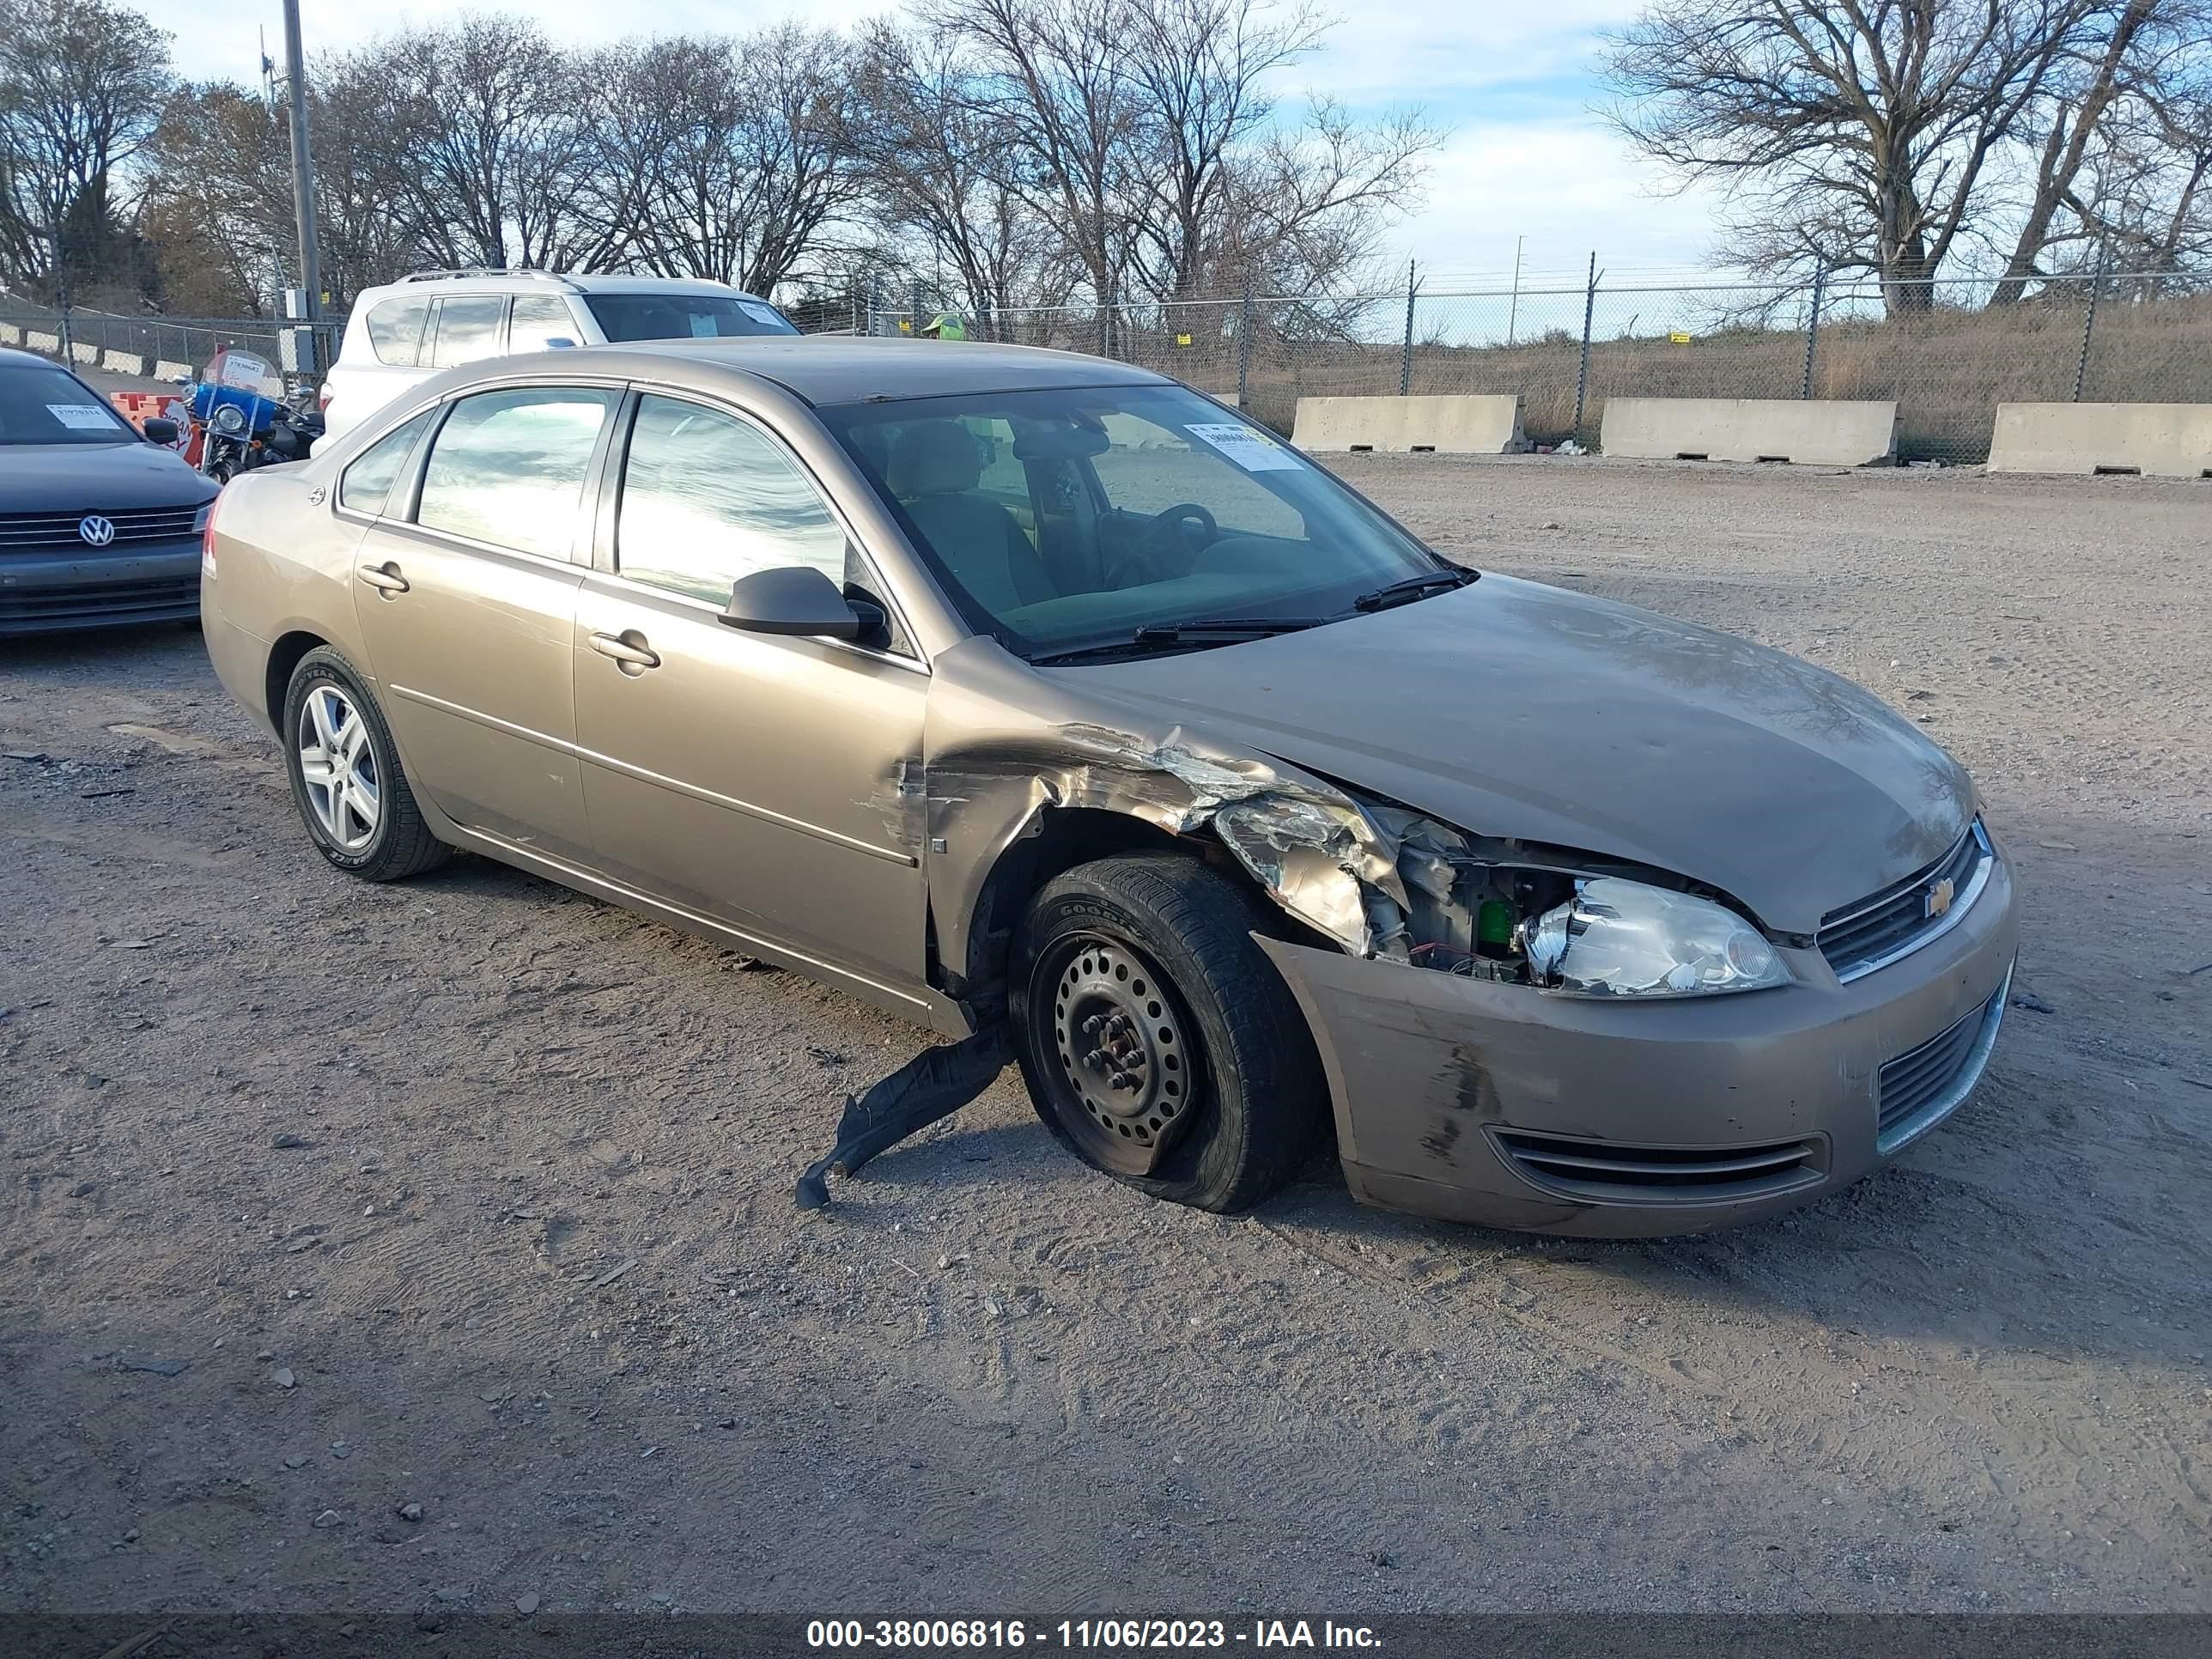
1059, 520
41, 406
683, 316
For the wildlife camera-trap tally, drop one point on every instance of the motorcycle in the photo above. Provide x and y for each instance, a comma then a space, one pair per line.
238, 418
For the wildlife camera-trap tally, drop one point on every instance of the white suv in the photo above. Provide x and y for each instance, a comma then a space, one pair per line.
405, 332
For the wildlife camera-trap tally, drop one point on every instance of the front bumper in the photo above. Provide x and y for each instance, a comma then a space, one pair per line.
151, 582
1498, 1104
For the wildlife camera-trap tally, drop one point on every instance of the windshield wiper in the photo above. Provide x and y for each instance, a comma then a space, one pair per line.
1224, 627
1412, 588
1178, 636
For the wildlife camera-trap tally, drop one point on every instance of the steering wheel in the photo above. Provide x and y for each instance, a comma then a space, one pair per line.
1168, 547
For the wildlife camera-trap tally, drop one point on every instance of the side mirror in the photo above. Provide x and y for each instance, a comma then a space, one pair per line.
793, 599
159, 429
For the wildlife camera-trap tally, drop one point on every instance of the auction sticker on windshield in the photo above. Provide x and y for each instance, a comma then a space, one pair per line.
81, 417
1248, 448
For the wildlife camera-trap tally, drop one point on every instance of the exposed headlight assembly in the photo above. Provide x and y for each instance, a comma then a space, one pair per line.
1623, 938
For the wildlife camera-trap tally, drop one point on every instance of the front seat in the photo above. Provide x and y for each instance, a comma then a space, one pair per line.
935, 466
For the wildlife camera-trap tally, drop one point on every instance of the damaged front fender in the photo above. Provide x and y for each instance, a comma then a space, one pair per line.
1321, 855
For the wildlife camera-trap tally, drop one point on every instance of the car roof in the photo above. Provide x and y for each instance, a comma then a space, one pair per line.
15, 359
527, 281
835, 369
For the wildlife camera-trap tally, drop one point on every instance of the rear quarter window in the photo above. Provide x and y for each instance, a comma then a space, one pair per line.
395, 332
366, 484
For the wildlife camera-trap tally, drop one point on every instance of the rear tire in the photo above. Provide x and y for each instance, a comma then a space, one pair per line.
346, 777
1159, 1043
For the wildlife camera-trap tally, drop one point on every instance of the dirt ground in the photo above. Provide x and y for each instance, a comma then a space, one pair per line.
325, 1200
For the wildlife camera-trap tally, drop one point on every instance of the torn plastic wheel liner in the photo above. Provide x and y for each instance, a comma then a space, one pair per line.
935, 1084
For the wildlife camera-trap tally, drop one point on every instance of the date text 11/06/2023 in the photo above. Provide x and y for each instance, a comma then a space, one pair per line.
1085, 1635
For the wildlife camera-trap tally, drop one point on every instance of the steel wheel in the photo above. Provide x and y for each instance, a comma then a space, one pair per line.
1127, 1071
337, 768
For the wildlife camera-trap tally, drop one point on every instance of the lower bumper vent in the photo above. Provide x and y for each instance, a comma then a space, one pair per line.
1609, 1172
1925, 1086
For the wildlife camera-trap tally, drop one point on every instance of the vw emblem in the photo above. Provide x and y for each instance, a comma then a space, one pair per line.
95, 530
1939, 897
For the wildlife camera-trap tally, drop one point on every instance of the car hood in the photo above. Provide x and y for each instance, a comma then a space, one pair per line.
1512, 709
96, 478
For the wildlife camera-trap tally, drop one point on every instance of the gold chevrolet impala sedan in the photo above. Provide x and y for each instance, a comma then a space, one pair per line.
1067, 712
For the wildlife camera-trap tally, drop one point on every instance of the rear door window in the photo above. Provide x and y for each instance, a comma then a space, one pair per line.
468, 328
395, 332
508, 467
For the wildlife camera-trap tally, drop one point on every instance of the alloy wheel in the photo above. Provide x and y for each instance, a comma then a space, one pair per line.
337, 768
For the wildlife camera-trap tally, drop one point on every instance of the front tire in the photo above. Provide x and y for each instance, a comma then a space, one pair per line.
1159, 1043
346, 777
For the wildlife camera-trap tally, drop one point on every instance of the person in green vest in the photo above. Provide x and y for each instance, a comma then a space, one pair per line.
946, 325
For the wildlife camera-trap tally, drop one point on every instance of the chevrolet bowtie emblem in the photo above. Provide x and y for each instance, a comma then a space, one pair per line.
1939, 897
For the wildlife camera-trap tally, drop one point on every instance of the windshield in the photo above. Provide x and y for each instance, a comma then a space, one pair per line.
683, 316
41, 406
1062, 520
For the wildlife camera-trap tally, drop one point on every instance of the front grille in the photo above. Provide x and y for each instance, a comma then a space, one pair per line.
1898, 920
1609, 1172
1923, 1086
21, 532
103, 602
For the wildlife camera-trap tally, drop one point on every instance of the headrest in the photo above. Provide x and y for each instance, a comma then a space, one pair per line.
934, 458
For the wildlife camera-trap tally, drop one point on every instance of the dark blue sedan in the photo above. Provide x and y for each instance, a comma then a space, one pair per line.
98, 526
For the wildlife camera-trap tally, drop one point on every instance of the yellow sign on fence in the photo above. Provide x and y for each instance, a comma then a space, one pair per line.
1182, 339
1679, 339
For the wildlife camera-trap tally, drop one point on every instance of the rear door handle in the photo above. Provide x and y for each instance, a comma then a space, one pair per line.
384, 578
628, 650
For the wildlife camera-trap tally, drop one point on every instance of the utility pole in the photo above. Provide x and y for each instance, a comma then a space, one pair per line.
303, 166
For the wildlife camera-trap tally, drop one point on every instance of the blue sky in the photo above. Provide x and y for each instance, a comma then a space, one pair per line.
1511, 78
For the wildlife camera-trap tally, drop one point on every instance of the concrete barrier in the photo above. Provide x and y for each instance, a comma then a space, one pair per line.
1812, 432
86, 355
122, 362
165, 370
1448, 424
10, 335
34, 340
2159, 440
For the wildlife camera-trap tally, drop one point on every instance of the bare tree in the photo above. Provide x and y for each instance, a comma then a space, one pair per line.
1860, 134
81, 86
1200, 68
933, 153
1056, 73
2115, 58
219, 201
721, 157
2148, 190
497, 123
1307, 209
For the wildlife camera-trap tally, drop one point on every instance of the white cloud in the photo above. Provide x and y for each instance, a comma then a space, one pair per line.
1570, 188
1434, 51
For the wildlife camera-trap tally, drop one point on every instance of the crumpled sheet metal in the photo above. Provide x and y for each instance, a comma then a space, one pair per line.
1325, 859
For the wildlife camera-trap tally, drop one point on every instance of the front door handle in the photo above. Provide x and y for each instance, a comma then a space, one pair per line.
384, 578
629, 651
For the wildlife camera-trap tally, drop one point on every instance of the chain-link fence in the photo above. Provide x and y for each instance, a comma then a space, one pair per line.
1946, 351
160, 347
